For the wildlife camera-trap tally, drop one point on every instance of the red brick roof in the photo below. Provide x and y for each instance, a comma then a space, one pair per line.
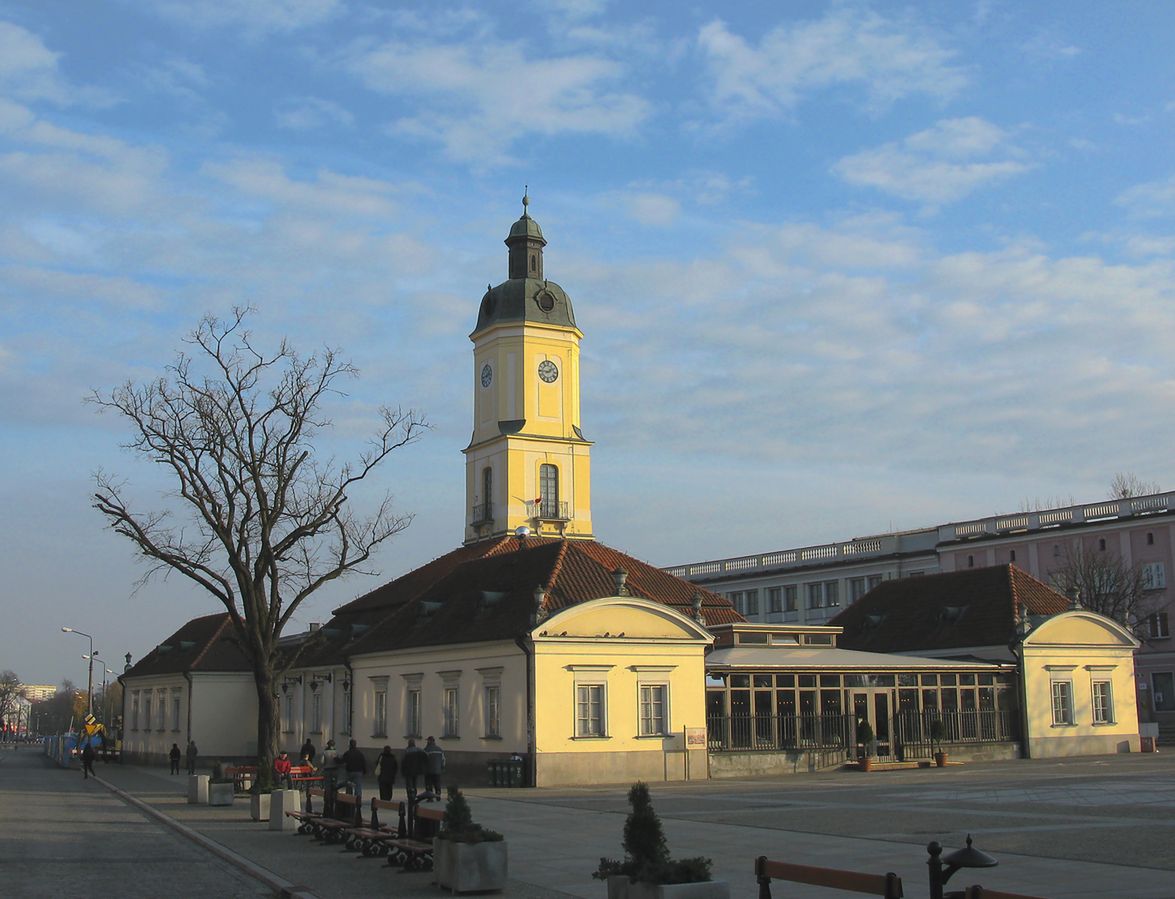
972, 607
202, 644
486, 592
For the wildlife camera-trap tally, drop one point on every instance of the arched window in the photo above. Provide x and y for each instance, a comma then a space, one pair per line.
534, 263
548, 491
487, 492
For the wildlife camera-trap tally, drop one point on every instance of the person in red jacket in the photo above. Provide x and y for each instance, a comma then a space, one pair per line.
281, 768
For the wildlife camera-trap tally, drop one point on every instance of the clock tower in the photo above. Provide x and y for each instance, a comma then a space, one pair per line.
528, 461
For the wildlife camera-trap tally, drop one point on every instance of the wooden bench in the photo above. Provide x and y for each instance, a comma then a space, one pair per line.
243, 777
886, 886
306, 819
346, 814
303, 777
414, 852
978, 892
372, 839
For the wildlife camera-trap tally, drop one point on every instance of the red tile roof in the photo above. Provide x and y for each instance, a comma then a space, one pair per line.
972, 607
202, 644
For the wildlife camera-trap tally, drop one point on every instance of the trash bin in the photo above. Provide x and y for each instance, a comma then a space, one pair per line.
492, 765
513, 772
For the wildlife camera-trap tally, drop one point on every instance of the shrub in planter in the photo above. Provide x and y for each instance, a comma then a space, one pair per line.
937, 732
865, 742
646, 854
466, 856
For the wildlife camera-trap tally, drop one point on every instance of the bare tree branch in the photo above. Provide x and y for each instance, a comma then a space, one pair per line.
268, 523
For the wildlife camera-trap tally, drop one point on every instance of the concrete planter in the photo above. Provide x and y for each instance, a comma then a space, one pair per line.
221, 794
470, 867
259, 806
280, 802
708, 889
197, 789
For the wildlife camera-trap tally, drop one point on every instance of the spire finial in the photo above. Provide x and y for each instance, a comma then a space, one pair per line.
525, 197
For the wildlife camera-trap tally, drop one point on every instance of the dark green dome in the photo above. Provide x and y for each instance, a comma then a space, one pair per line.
525, 300
526, 227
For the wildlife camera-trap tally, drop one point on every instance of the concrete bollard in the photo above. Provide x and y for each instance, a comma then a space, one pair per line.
197, 789
280, 802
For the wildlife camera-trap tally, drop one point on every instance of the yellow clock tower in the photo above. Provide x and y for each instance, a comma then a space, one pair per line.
528, 462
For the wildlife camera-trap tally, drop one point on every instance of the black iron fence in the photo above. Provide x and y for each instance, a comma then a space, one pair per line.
908, 736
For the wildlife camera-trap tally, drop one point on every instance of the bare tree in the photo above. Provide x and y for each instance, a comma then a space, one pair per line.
1105, 584
1127, 484
235, 428
10, 693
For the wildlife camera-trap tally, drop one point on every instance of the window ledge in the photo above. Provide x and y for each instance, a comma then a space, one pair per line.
599, 737
491, 737
650, 736
451, 737
1064, 724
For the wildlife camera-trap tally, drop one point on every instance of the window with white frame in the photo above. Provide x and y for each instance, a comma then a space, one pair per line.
589, 710
413, 685
775, 599
161, 711
752, 602
450, 703
1062, 702
654, 702
175, 709
135, 710
1154, 576
1103, 702
348, 706
146, 710
491, 702
1157, 626
824, 594
288, 713
316, 712
379, 709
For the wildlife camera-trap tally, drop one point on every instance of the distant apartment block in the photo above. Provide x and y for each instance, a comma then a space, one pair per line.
811, 584
38, 692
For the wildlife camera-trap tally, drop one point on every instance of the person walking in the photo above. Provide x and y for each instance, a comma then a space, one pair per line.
192, 753
385, 772
307, 752
355, 765
435, 765
175, 756
330, 767
415, 764
88, 761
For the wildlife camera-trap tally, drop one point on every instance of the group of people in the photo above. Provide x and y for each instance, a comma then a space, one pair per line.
175, 755
427, 763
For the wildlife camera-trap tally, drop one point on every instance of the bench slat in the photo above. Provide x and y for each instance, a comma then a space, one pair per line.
834, 878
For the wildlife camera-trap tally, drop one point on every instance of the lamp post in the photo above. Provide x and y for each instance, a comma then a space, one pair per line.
90, 679
941, 869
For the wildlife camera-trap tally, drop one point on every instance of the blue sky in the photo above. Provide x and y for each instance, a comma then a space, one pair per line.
842, 268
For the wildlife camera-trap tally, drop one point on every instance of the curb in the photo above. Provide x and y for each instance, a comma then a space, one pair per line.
281, 887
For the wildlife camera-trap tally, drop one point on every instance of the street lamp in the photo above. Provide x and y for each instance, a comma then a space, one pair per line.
942, 868
90, 681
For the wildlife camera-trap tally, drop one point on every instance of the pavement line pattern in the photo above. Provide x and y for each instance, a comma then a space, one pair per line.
282, 887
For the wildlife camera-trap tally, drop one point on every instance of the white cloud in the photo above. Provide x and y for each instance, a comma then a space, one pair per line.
259, 16
938, 165
311, 113
328, 194
29, 71
885, 59
1151, 199
652, 209
480, 99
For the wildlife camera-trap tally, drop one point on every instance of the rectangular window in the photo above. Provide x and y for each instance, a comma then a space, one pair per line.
875, 580
161, 711
752, 602
316, 712
175, 710
736, 600
452, 713
589, 710
1156, 625
775, 599
1163, 689
1154, 576
492, 699
654, 721
412, 714
1062, 702
856, 588
815, 596
789, 598
380, 712
288, 713
146, 710
1103, 702
348, 706
831, 593
135, 710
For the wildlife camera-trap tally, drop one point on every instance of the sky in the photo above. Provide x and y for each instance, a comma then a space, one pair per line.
842, 268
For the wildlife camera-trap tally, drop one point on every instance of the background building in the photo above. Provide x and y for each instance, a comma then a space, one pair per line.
812, 584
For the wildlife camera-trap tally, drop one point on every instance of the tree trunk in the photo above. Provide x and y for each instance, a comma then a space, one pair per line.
267, 728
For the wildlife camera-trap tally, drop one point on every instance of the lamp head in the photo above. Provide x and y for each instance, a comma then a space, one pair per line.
67, 630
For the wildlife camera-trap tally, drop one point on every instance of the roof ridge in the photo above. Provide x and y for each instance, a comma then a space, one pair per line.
1014, 589
556, 569
210, 641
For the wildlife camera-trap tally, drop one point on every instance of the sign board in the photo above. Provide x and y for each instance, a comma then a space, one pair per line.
695, 738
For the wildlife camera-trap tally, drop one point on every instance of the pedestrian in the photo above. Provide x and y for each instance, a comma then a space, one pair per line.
436, 764
330, 767
307, 752
414, 764
192, 753
87, 761
175, 755
281, 769
356, 766
385, 772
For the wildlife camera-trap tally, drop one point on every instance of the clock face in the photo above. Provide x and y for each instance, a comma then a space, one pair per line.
547, 371
487, 375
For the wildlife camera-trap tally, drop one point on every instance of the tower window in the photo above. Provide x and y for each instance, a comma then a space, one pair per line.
534, 263
1101, 544
548, 491
1150, 538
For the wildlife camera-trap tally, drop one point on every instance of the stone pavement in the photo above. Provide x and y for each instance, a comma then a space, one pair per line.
1102, 827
